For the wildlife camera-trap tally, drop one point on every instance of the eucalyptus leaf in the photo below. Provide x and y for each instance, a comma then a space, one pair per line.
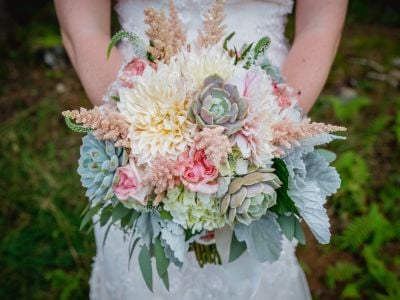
237, 248
106, 233
287, 224
119, 212
89, 215
299, 233
105, 215
165, 280
131, 249
134, 216
162, 262
145, 267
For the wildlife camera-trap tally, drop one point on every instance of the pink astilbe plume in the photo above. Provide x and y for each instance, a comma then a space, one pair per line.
162, 174
213, 29
286, 133
215, 144
107, 123
159, 34
175, 26
167, 36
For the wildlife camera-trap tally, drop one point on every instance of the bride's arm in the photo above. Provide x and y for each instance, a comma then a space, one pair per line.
85, 29
317, 35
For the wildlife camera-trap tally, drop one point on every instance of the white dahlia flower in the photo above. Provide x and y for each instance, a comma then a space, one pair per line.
200, 63
157, 112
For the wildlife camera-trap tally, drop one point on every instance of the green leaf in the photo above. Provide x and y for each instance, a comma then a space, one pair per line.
299, 233
284, 203
246, 51
134, 216
227, 39
165, 215
86, 209
291, 228
105, 215
145, 267
115, 98
89, 215
162, 262
128, 220
106, 233
165, 280
341, 271
287, 224
131, 249
237, 248
119, 212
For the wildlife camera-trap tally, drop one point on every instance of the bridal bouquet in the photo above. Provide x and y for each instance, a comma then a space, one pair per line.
196, 137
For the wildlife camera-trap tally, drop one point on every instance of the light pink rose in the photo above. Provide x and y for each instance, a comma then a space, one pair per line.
198, 174
285, 93
128, 184
134, 68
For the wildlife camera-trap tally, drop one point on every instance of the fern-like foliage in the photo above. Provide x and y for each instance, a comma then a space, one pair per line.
75, 127
341, 271
373, 229
132, 37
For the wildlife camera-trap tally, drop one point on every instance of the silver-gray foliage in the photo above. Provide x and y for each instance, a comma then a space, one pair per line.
311, 180
262, 237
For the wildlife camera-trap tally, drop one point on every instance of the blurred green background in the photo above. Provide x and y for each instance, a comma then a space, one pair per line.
43, 255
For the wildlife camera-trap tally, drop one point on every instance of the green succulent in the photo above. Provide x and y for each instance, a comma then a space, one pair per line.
97, 165
249, 197
219, 104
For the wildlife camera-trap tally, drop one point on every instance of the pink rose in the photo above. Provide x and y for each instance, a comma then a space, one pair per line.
197, 172
134, 68
286, 94
128, 184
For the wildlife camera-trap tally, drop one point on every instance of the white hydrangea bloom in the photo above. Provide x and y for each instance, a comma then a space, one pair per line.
193, 210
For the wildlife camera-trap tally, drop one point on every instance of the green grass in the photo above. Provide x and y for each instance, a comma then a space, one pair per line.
42, 253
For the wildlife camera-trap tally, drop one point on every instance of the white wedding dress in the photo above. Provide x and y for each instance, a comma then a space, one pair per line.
245, 278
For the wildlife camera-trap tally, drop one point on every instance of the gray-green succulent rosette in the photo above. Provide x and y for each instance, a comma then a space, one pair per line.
201, 139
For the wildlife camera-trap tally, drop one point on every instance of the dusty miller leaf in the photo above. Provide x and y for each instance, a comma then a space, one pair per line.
262, 237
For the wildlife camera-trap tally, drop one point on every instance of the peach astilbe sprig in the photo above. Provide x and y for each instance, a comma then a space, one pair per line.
163, 174
166, 36
215, 144
106, 123
213, 28
175, 26
286, 133
161, 38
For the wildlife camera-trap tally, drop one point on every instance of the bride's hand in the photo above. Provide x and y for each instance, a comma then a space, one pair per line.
317, 35
85, 30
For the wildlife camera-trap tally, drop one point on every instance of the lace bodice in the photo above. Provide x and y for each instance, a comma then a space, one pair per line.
245, 278
250, 19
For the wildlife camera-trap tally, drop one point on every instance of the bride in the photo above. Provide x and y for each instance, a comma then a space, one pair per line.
85, 28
